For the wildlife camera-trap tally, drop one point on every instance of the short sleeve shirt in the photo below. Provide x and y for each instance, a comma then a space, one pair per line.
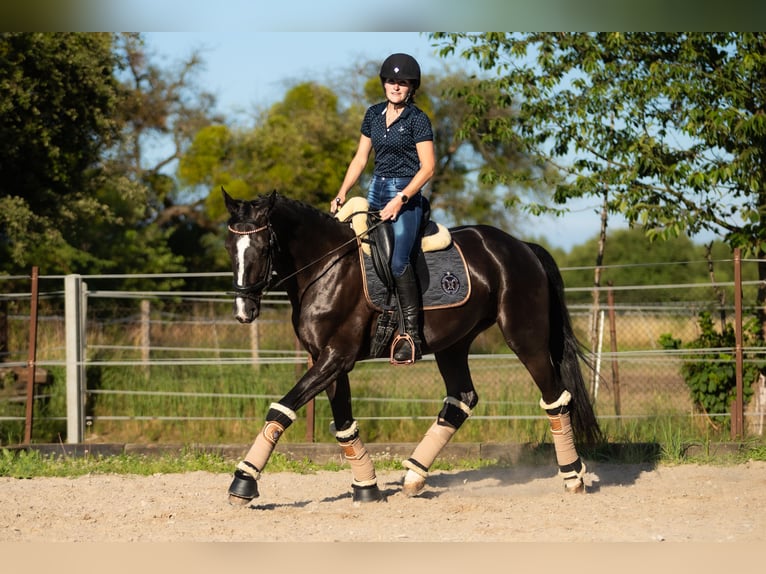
395, 151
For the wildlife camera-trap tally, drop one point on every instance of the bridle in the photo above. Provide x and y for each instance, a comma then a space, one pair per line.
255, 290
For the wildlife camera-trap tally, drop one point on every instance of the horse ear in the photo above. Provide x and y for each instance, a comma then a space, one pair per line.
231, 204
273, 199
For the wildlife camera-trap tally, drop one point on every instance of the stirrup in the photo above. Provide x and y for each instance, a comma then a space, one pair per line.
407, 339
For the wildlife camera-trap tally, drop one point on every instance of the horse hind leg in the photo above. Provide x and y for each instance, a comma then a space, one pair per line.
538, 363
461, 399
571, 467
453, 414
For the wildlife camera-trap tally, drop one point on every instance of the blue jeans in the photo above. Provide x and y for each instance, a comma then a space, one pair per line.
407, 223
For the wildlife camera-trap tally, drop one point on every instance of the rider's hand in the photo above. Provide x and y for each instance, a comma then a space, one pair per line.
335, 204
391, 210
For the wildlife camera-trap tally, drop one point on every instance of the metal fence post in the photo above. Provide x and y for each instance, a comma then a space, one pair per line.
737, 408
75, 355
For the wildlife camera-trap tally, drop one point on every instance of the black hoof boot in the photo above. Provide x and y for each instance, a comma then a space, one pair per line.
366, 493
243, 489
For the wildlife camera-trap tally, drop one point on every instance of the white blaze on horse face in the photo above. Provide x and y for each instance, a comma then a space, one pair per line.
242, 244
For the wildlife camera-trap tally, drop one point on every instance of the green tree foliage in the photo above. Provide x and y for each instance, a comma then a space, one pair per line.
58, 99
634, 260
299, 147
457, 188
671, 126
162, 108
90, 127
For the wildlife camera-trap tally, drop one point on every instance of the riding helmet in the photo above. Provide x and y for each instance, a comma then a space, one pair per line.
401, 67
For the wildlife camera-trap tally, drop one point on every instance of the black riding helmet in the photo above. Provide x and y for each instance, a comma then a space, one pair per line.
401, 67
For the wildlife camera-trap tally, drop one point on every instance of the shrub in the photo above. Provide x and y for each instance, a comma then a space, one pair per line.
710, 372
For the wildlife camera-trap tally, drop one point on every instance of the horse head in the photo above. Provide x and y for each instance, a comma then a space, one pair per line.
250, 243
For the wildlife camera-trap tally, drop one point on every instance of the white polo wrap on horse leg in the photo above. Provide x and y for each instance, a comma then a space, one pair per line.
278, 419
571, 468
357, 456
451, 417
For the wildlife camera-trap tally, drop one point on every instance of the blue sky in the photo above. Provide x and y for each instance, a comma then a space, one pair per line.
252, 69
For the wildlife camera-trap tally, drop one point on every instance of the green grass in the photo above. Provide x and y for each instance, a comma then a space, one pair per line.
31, 463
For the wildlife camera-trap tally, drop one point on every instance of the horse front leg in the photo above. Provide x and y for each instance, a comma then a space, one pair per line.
244, 486
365, 483
326, 368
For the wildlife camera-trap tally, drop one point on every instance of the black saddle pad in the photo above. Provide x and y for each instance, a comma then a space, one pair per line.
442, 275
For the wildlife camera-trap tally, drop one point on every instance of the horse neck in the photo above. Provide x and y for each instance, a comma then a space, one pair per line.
305, 237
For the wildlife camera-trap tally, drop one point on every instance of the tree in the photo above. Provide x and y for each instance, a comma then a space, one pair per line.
57, 115
79, 188
162, 109
457, 187
635, 260
299, 147
669, 128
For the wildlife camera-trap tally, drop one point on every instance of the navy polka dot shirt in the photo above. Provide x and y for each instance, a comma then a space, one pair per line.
395, 152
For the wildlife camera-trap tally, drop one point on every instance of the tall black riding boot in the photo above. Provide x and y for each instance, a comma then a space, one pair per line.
409, 300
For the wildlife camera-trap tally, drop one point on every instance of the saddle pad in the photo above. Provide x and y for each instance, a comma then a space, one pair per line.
442, 275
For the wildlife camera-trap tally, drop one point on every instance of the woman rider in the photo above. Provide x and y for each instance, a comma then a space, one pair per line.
402, 137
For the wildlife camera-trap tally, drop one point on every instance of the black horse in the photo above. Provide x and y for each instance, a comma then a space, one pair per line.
314, 257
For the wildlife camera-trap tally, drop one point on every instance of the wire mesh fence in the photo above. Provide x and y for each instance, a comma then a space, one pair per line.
172, 365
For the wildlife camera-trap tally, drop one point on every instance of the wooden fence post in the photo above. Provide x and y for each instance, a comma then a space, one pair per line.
32, 358
255, 344
146, 334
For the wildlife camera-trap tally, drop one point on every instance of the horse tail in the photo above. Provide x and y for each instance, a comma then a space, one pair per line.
567, 353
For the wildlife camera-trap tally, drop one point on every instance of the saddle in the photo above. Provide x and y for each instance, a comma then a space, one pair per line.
439, 265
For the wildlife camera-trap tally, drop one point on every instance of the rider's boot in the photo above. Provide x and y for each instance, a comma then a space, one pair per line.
408, 350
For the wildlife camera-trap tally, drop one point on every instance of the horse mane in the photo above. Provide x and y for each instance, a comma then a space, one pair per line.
276, 201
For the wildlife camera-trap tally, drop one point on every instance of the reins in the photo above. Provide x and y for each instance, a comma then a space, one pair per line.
296, 272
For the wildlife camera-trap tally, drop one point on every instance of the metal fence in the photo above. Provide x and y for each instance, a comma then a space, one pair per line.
117, 359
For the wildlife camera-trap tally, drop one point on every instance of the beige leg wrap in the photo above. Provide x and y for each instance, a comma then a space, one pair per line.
264, 444
424, 455
267, 439
436, 437
563, 442
357, 456
563, 439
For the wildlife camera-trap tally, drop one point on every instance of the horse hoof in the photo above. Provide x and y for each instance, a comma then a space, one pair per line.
413, 484
366, 493
238, 501
577, 488
243, 489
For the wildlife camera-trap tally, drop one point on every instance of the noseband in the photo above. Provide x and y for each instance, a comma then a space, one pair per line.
255, 290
